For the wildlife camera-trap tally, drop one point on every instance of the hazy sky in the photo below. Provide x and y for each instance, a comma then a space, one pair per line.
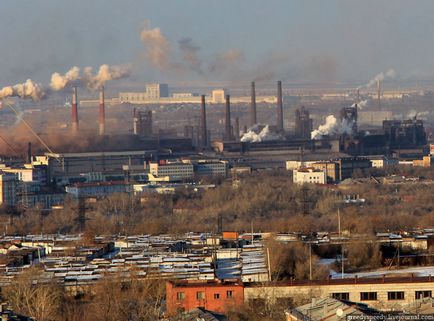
297, 41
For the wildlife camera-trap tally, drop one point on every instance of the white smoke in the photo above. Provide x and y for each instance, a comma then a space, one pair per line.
362, 104
157, 46
418, 114
333, 127
87, 78
380, 77
259, 133
27, 90
105, 73
59, 82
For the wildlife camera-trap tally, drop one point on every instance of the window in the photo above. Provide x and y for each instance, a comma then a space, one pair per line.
216, 296
200, 295
423, 294
397, 295
180, 296
341, 296
368, 296
229, 294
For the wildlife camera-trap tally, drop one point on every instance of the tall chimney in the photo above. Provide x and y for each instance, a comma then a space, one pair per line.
203, 128
74, 116
237, 128
101, 116
228, 135
379, 93
29, 153
135, 122
253, 119
358, 96
279, 107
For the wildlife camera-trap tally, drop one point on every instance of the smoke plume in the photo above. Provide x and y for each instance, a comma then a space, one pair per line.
333, 127
59, 82
190, 52
105, 73
156, 45
27, 90
259, 133
362, 104
380, 77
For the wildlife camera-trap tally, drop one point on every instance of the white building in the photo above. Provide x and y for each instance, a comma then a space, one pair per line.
309, 175
218, 96
291, 164
176, 171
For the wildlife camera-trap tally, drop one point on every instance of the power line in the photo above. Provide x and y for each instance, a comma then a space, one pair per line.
29, 127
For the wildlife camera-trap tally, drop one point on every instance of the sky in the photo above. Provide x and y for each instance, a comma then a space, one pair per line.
297, 41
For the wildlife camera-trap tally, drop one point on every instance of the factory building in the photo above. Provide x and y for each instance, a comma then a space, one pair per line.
373, 118
60, 167
176, 171
342, 168
8, 189
98, 189
405, 134
211, 168
309, 175
303, 123
142, 123
153, 91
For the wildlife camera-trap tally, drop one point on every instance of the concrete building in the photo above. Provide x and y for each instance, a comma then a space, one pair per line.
155, 91
212, 168
176, 171
380, 293
309, 175
183, 296
63, 166
383, 162
218, 96
330, 168
99, 189
8, 189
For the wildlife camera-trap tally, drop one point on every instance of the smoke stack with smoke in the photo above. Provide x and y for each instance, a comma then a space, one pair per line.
279, 107
253, 119
379, 93
59, 82
228, 134
105, 73
333, 127
237, 128
74, 115
203, 128
27, 90
380, 77
101, 114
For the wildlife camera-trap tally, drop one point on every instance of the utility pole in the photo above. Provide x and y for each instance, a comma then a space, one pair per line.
342, 260
339, 222
310, 261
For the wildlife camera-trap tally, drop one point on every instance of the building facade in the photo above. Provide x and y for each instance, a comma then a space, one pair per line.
309, 175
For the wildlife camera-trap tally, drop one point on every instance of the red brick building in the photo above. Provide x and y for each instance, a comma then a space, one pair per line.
211, 295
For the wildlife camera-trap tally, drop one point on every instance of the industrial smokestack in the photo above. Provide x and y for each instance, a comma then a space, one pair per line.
74, 116
237, 128
101, 116
253, 119
228, 134
279, 107
29, 153
203, 128
358, 96
379, 93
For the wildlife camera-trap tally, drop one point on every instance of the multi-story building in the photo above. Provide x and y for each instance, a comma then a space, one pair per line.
212, 295
309, 175
8, 189
212, 168
176, 171
156, 91
218, 96
330, 168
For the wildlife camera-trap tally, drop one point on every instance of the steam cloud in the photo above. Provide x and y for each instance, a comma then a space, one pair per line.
362, 104
105, 73
27, 90
333, 127
88, 79
58, 82
156, 45
259, 133
380, 77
